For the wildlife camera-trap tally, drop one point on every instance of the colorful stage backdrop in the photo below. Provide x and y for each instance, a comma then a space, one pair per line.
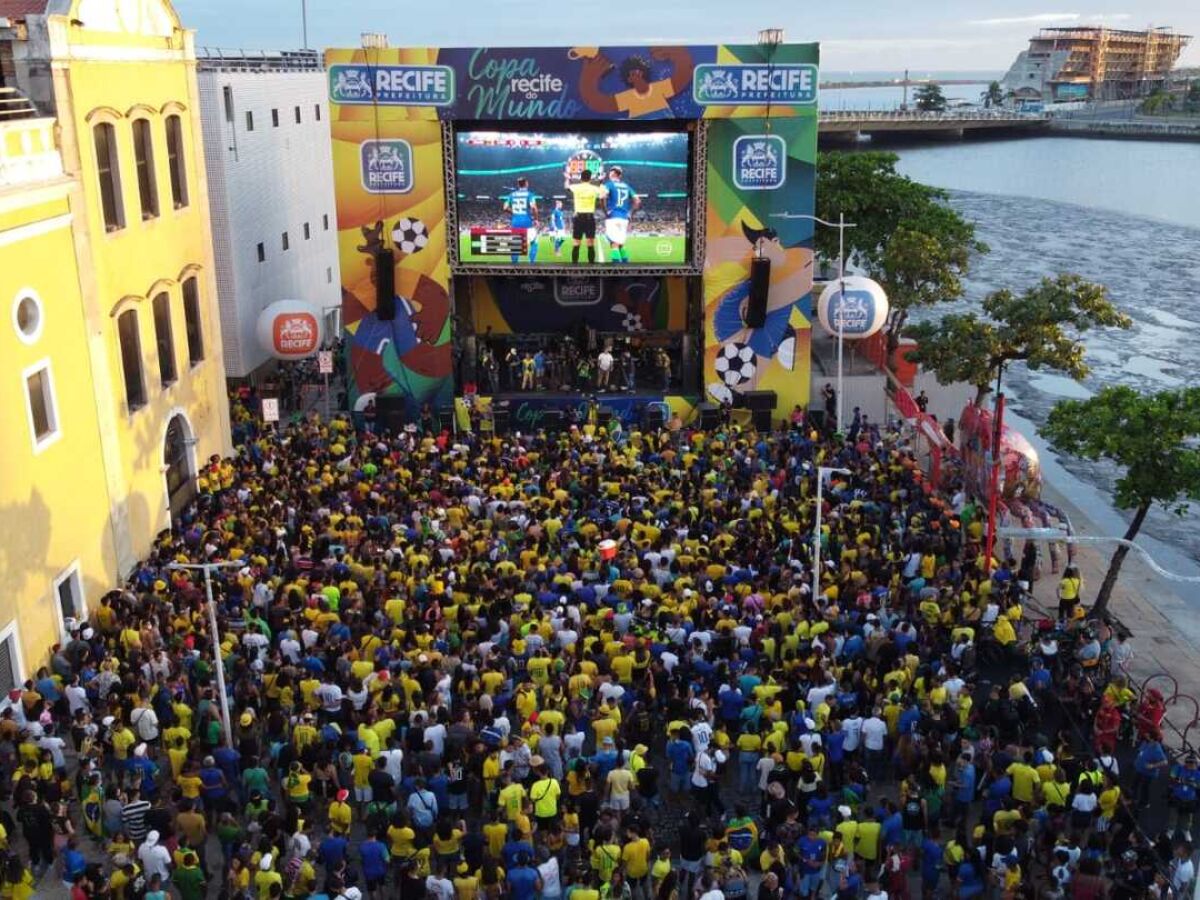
386, 108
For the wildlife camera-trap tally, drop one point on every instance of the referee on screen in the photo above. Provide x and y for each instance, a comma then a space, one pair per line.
583, 225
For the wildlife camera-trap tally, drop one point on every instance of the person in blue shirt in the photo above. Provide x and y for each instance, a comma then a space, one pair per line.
523, 879
621, 200
514, 849
811, 850
962, 784
558, 227
1149, 764
375, 858
1185, 780
680, 754
931, 862
332, 851
521, 205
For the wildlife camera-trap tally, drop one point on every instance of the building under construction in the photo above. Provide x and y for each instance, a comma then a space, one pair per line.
1093, 63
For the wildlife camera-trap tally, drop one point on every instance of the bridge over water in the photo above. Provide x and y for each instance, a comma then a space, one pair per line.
847, 126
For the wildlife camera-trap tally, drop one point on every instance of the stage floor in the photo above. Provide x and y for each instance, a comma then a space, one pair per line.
531, 410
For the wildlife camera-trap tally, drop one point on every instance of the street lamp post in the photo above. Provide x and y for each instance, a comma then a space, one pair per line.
822, 473
207, 568
841, 225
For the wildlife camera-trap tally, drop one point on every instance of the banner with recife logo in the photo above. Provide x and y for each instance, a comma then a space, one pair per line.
580, 82
778, 84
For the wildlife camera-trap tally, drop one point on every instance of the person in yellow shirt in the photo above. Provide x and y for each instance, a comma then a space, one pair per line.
340, 814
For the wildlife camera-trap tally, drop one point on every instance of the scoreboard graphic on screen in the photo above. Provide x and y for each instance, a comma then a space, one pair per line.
498, 241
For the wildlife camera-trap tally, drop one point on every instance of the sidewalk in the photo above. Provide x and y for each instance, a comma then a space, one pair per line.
1148, 605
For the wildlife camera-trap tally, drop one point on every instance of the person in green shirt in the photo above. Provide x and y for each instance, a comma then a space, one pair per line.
255, 778
189, 879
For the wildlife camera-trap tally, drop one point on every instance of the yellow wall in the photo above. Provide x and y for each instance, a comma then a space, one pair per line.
53, 502
117, 78
92, 497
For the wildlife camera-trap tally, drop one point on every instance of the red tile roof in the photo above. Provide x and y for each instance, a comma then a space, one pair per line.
19, 9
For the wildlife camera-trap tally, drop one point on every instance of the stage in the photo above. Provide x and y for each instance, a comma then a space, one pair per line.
530, 411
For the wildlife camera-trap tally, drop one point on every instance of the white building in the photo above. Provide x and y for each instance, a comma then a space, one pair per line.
270, 174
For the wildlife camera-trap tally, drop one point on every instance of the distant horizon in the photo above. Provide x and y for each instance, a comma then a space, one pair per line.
933, 37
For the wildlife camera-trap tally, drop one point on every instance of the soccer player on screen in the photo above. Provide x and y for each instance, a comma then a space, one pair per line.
522, 206
583, 225
620, 202
558, 227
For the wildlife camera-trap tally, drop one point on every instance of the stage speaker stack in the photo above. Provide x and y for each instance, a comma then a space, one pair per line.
390, 414
710, 416
604, 416
755, 400
652, 418
761, 419
760, 284
554, 419
385, 285
502, 418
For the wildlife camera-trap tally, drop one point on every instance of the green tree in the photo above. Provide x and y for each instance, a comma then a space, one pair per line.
994, 95
1191, 102
1151, 438
929, 98
1159, 102
1043, 328
905, 235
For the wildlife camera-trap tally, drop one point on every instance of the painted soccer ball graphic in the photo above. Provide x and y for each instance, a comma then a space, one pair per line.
735, 364
632, 322
410, 235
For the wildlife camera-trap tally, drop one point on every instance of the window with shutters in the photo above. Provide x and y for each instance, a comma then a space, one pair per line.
10, 660
41, 406
143, 158
108, 171
163, 339
131, 359
191, 318
175, 161
68, 594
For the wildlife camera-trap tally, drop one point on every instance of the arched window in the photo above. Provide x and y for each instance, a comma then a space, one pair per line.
131, 359
108, 170
176, 160
163, 339
143, 157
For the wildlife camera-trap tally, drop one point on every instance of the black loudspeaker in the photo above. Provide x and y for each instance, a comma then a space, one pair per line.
653, 418
385, 285
502, 418
760, 284
554, 419
604, 415
759, 399
761, 418
710, 416
390, 414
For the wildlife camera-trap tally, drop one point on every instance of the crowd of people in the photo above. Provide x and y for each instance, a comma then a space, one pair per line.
580, 666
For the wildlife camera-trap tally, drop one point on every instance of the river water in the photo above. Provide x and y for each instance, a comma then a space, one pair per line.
1125, 214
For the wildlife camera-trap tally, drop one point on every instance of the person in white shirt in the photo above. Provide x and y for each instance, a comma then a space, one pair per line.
874, 739
852, 728
156, 859
701, 736
604, 366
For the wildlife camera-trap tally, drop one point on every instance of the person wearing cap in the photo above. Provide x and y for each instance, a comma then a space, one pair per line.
339, 814
155, 858
267, 877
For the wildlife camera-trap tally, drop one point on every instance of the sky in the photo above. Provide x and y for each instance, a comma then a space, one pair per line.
855, 35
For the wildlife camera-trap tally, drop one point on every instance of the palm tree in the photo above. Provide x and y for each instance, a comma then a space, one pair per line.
993, 96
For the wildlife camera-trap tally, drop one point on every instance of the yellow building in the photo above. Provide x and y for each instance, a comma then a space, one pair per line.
113, 347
